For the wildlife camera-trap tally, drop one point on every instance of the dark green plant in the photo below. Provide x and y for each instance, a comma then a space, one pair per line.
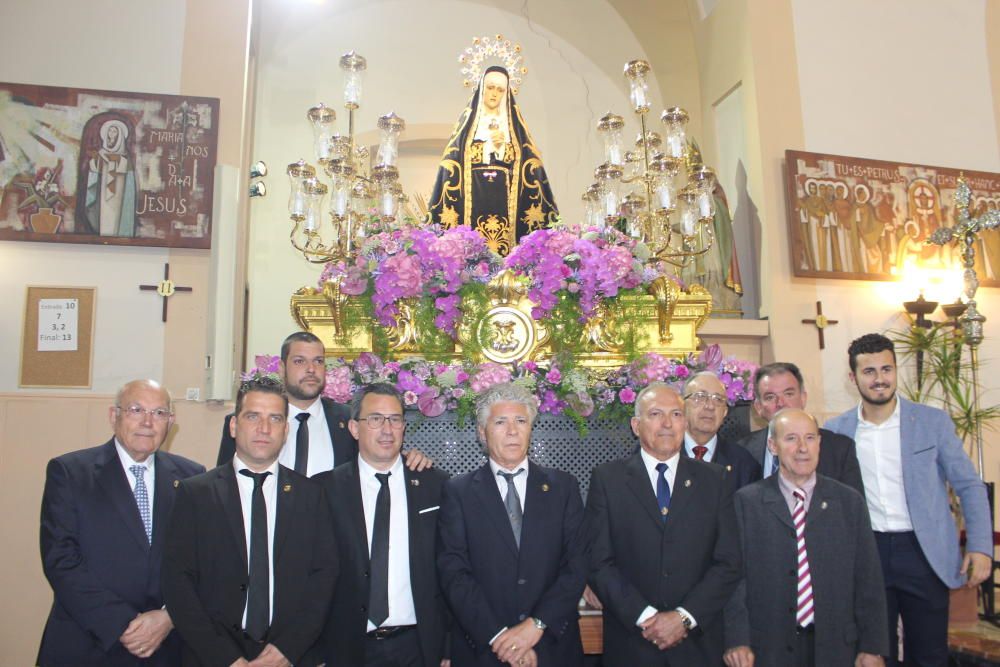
945, 377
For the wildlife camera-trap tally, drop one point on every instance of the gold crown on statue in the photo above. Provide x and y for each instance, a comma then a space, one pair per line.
487, 51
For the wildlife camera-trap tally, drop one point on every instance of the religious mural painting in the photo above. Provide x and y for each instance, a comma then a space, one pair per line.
104, 167
865, 219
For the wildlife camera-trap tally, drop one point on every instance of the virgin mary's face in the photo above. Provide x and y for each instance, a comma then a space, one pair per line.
494, 89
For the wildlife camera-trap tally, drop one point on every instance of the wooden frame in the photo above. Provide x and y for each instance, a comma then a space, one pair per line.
58, 368
859, 219
105, 167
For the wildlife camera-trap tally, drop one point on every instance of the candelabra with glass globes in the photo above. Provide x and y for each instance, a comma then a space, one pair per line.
660, 192
355, 189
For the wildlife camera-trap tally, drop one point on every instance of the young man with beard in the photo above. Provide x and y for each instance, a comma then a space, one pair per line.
318, 438
909, 454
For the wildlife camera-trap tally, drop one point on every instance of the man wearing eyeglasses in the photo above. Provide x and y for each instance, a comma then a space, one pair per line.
706, 406
387, 608
104, 513
249, 563
318, 438
778, 386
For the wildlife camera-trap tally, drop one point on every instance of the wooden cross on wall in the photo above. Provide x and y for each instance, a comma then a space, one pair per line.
821, 323
165, 288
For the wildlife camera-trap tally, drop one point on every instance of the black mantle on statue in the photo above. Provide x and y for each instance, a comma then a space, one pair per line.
555, 441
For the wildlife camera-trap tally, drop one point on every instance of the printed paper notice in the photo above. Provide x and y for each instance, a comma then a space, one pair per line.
57, 324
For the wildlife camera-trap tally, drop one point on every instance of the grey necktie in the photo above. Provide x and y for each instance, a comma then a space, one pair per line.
513, 504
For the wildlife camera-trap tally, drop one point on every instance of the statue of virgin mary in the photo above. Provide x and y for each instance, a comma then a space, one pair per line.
491, 176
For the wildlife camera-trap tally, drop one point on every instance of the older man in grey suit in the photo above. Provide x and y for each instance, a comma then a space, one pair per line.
812, 580
909, 453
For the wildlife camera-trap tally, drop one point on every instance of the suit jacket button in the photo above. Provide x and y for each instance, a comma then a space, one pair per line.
521, 617
236, 627
363, 610
243, 587
366, 573
522, 582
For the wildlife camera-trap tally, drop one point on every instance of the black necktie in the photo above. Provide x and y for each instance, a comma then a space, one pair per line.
258, 591
378, 599
302, 444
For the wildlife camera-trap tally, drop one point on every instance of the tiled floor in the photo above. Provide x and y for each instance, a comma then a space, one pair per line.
977, 644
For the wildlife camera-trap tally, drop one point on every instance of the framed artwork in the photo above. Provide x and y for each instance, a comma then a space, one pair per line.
862, 219
112, 168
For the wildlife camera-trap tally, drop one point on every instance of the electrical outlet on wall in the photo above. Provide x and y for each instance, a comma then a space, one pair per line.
192, 394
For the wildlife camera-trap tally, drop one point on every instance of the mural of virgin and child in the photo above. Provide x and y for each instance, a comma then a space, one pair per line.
106, 187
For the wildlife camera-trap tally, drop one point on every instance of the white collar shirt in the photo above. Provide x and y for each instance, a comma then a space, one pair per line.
320, 443
401, 608
520, 482
245, 486
881, 459
670, 473
149, 477
690, 444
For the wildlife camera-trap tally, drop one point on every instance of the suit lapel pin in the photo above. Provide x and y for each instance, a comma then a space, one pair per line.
687, 482
545, 487
341, 424
414, 482
286, 488
822, 505
177, 483
729, 468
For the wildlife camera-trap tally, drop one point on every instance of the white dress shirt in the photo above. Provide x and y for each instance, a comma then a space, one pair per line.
149, 477
270, 487
881, 459
401, 608
670, 474
520, 482
690, 444
320, 443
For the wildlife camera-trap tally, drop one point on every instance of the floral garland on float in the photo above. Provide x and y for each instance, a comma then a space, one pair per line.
433, 388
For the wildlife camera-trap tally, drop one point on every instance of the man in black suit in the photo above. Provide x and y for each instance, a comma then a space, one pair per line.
318, 438
832, 609
250, 563
705, 407
778, 386
511, 554
104, 516
664, 558
387, 609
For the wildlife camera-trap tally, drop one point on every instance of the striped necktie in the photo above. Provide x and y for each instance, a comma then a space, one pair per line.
804, 614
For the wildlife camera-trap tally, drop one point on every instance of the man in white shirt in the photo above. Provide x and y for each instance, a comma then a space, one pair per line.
511, 554
104, 514
318, 438
909, 453
250, 562
387, 609
664, 558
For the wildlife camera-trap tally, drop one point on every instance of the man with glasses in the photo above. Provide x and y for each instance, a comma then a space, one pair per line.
249, 563
318, 438
387, 609
104, 513
706, 406
778, 386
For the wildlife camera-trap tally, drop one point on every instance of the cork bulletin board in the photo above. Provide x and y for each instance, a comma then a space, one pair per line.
57, 341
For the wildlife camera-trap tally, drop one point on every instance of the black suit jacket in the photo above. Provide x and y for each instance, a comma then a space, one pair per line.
848, 592
347, 622
741, 468
637, 560
205, 569
837, 456
345, 447
491, 584
95, 555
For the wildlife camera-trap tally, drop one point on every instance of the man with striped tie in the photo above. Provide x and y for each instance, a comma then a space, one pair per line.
812, 580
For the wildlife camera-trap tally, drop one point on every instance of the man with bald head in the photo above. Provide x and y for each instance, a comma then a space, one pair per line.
104, 513
664, 558
705, 407
812, 579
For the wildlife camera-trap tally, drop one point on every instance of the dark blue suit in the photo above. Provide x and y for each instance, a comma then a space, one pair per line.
95, 555
491, 584
741, 468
